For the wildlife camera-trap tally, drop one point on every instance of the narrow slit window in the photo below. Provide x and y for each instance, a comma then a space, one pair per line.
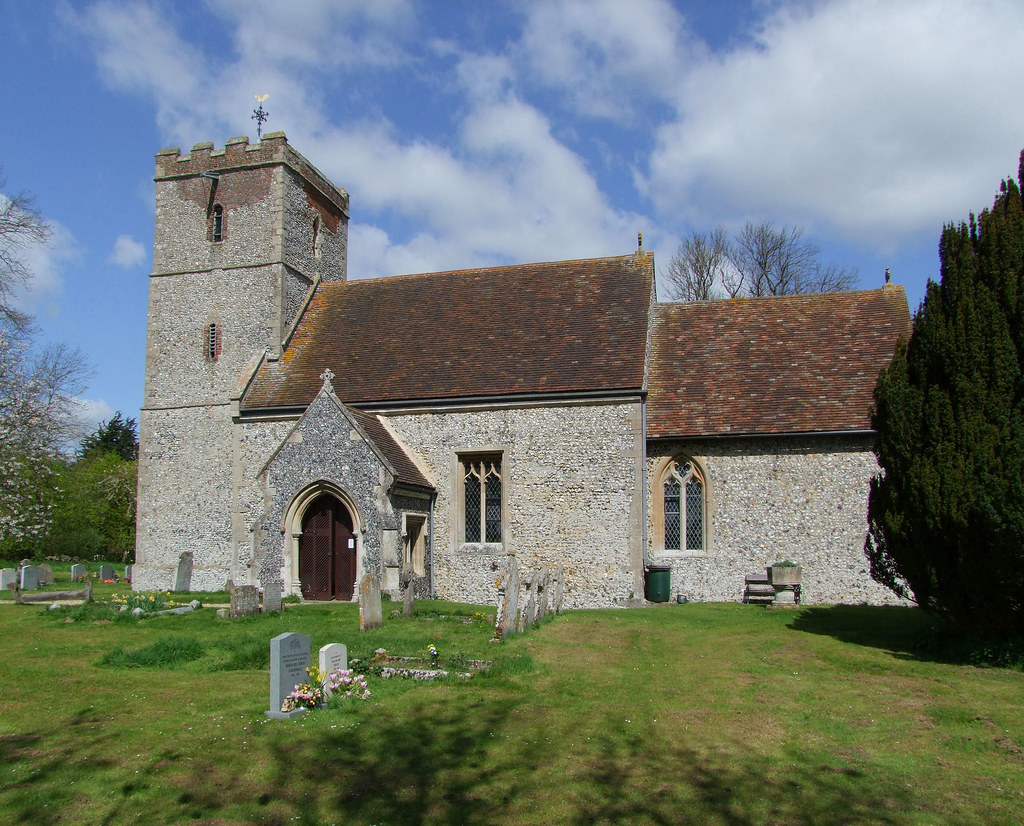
217, 223
317, 252
212, 341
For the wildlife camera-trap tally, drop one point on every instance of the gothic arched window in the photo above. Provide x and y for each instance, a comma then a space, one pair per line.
683, 498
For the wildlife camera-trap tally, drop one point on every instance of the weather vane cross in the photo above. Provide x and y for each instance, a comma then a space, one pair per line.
260, 115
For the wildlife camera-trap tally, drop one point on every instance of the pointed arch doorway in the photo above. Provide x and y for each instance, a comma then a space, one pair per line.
327, 550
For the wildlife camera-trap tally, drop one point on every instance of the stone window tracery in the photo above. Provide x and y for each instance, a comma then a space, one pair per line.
684, 506
481, 503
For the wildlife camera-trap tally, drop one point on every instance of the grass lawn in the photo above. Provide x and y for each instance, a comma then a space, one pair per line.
718, 714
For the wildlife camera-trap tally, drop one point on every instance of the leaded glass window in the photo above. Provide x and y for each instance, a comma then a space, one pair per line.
482, 499
684, 507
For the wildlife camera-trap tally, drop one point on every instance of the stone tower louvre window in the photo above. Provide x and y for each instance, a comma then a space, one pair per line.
481, 479
217, 226
683, 490
212, 341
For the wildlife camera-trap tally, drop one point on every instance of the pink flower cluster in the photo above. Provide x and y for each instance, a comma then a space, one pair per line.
354, 685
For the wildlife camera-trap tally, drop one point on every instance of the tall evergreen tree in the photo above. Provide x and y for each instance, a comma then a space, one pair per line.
119, 435
946, 515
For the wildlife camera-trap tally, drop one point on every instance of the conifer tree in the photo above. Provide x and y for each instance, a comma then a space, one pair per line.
946, 515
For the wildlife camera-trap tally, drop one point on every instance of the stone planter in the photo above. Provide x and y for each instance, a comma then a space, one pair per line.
784, 574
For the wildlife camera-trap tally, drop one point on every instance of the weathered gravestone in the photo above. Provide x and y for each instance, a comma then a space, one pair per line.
46, 575
333, 657
530, 603
127, 573
29, 578
8, 578
272, 595
543, 581
557, 589
370, 612
245, 600
508, 597
289, 659
106, 572
77, 572
409, 594
183, 580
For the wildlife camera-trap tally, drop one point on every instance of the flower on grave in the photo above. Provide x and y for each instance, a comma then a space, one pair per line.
306, 695
288, 704
433, 654
354, 685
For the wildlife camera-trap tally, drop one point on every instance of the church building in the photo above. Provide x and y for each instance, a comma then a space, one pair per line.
301, 430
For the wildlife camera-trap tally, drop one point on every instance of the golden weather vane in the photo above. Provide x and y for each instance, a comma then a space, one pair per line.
260, 115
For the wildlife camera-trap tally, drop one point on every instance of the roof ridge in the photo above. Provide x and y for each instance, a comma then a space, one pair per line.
494, 268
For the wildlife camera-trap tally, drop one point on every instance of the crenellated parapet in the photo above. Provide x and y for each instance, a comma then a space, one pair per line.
239, 154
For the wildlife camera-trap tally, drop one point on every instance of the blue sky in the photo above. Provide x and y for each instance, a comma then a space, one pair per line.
479, 133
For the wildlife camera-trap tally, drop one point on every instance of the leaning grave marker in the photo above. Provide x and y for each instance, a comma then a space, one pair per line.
8, 578
183, 579
289, 659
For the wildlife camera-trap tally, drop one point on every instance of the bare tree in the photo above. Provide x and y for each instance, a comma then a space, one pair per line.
21, 226
761, 261
697, 270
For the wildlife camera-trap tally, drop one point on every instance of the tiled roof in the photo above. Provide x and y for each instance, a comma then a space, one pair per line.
793, 364
406, 470
563, 327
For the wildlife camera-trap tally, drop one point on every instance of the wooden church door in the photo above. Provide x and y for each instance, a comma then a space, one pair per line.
327, 551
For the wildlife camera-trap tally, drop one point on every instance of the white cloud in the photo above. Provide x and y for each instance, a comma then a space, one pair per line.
127, 252
495, 185
93, 412
868, 118
605, 55
45, 263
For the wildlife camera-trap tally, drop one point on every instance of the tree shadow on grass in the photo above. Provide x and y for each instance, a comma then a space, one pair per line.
453, 765
906, 633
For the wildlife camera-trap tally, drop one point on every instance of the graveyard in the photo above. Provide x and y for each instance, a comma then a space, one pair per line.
696, 713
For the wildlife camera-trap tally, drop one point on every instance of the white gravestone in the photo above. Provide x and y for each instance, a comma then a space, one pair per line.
333, 657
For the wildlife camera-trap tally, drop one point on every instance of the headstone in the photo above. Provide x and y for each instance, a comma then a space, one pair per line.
558, 589
529, 603
272, 595
8, 578
408, 594
508, 597
333, 657
106, 572
543, 581
77, 572
183, 581
29, 578
245, 601
127, 573
46, 575
370, 612
289, 659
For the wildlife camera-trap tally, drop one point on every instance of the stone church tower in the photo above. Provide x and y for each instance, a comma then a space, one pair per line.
242, 238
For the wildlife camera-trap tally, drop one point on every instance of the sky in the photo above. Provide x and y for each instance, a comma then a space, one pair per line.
473, 134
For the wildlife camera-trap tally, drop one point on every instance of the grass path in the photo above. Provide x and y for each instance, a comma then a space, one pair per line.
717, 714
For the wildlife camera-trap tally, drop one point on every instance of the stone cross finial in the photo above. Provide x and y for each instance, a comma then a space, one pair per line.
327, 375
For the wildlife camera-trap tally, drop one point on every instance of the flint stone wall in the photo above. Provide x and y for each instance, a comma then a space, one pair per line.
798, 498
324, 446
571, 490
